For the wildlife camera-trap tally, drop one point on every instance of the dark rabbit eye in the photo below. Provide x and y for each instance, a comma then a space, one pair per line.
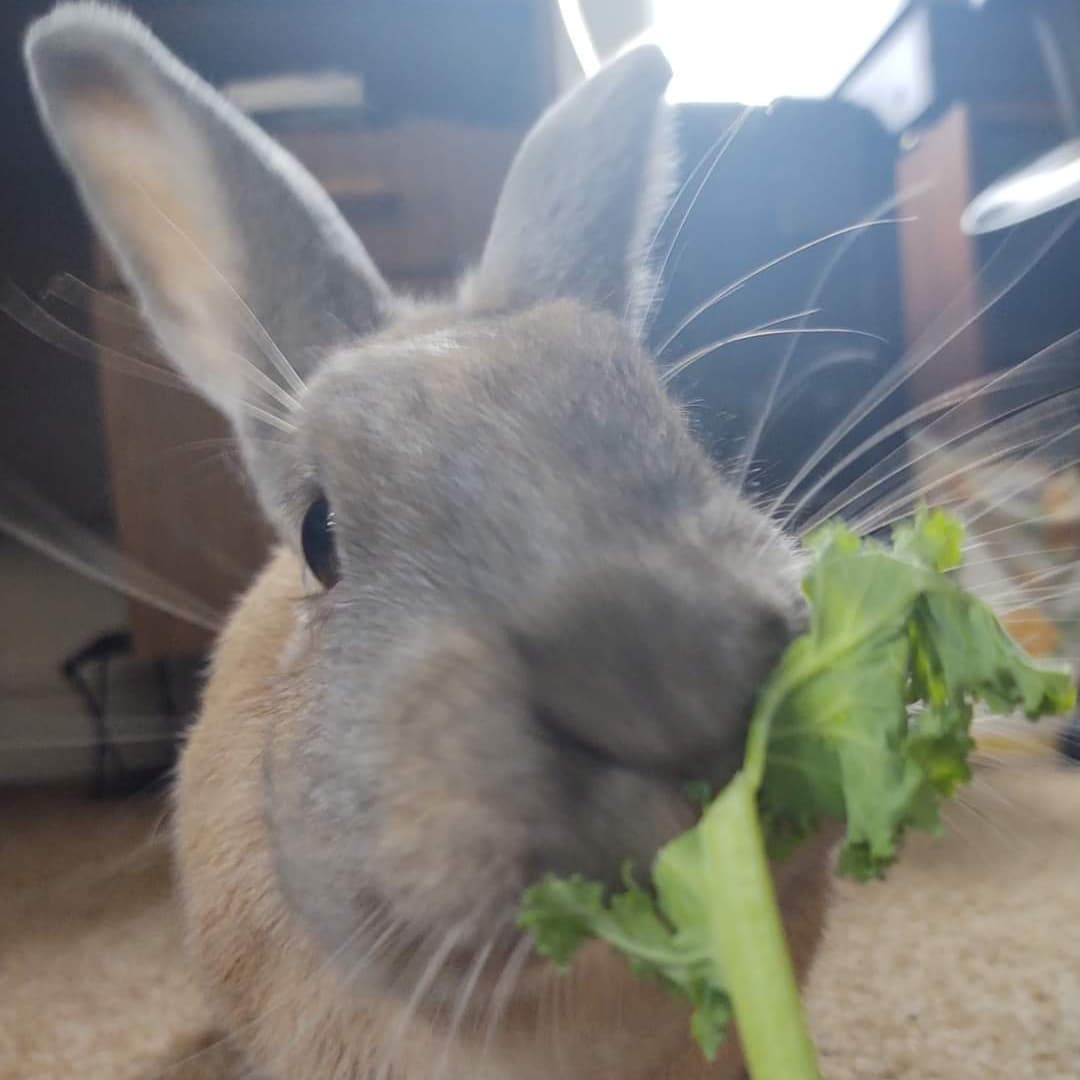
317, 540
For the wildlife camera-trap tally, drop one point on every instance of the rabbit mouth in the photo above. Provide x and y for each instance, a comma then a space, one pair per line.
493, 973
490, 961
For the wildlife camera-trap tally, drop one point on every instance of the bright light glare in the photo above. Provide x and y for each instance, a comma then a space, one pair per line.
754, 51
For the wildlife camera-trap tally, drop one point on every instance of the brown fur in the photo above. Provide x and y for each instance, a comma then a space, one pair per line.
283, 1001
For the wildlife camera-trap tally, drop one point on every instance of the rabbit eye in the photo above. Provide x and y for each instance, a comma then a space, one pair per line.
317, 541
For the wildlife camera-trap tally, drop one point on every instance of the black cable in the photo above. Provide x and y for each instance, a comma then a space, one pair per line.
101, 650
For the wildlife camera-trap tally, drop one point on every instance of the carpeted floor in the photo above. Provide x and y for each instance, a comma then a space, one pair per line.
964, 965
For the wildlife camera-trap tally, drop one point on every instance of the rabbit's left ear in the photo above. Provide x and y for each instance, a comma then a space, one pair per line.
582, 200
236, 254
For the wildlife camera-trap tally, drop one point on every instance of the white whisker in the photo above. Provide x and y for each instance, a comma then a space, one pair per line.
256, 329
267, 417
15, 304
286, 1002
982, 537
76, 882
1011, 556
1027, 483
557, 985
716, 153
464, 997
44, 529
739, 282
791, 394
504, 989
930, 345
1036, 419
1021, 597
422, 987
83, 297
684, 362
847, 241
962, 802
950, 403
78, 294
36, 320
89, 742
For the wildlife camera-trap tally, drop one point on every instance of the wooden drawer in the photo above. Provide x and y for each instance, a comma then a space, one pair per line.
419, 195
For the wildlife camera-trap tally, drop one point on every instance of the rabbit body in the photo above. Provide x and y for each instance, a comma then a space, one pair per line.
515, 607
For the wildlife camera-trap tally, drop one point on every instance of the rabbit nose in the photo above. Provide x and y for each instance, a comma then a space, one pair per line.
650, 673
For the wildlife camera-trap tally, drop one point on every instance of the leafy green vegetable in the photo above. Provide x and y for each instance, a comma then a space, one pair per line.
866, 719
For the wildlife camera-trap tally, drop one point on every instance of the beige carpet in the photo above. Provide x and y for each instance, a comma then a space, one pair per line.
964, 965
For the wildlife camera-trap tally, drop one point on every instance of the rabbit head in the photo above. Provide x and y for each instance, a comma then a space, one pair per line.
515, 607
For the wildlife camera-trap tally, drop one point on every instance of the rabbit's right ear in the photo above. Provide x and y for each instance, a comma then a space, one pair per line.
583, 198
243, 266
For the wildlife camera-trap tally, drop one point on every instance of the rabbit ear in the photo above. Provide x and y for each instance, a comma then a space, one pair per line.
583, 197
241, 262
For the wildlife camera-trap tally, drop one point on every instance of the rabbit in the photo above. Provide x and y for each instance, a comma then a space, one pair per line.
513, 608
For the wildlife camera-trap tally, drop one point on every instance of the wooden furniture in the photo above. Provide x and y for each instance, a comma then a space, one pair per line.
964, 90
419, 185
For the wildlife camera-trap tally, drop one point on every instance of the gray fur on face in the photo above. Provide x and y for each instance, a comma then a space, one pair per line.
527, 530
552, 610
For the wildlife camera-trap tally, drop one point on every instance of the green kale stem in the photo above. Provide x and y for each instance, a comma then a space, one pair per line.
747, 937
757, 738
746, 932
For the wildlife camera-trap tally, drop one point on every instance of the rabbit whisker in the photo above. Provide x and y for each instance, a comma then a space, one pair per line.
464, 997
258, 332
83, 297
847, 241
557, 985
81, 550
1019, 598
1027, 483
669, 372
739, 282
1009, 556
684, 362
78, 881
505, 987
947, 400
884, 514
273, 1010
836, 358
36, 320
932, 343
33, 318
706, 164
424, 983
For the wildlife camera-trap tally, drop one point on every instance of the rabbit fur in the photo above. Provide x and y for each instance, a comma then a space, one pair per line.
547, 608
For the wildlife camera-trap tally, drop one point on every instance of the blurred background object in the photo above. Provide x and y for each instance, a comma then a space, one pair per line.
1052, 179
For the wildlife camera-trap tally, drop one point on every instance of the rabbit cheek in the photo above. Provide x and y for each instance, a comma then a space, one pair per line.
466, 796
414, 808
